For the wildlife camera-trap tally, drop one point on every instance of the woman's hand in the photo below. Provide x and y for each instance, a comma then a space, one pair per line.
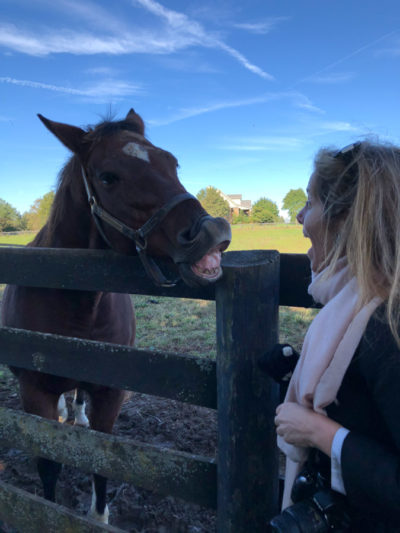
304, 427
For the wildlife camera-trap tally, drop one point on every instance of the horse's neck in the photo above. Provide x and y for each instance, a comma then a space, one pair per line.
70, 224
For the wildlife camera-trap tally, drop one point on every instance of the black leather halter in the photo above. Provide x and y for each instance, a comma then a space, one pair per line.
139, 236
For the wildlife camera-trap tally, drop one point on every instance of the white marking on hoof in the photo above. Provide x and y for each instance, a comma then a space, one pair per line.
93, 511
62, 409
287, 351
135, 150
80, 416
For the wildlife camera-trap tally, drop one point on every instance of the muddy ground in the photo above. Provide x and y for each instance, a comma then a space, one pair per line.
148, 419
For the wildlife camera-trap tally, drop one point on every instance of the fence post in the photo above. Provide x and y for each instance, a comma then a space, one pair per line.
247, 325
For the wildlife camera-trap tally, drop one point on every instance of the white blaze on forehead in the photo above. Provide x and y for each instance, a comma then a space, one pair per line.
135, 150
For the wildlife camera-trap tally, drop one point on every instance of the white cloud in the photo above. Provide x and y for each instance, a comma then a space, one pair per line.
295, 98
177, 32
338, 126
303, 102
180, 23
102, 71
260, 27
104, 90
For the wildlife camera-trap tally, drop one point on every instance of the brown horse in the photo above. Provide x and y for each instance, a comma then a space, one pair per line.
117, 190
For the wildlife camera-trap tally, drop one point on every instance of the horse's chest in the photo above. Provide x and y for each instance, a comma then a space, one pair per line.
113, 320
107, 317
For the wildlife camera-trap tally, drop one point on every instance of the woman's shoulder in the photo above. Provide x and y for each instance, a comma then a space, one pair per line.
378, 328
378, 350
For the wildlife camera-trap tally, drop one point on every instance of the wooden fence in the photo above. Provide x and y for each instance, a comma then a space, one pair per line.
243, 483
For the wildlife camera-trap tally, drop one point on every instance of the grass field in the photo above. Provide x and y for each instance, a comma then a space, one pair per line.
17, 238
286, 238
181, 325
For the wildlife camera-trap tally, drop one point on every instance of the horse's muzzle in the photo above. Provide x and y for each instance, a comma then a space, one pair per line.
199, 250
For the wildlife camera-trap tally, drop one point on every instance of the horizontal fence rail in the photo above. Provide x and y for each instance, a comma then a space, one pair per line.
247, 299
29, 513
108, 271
187, 476
89, 270
181, 377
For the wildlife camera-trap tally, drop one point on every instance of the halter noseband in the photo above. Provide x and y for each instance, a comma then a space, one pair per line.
139, 236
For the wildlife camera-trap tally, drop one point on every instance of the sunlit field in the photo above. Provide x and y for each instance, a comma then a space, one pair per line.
16, 238
286, 238
181, 325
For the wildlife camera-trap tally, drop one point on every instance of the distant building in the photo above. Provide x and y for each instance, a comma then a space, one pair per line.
236, 203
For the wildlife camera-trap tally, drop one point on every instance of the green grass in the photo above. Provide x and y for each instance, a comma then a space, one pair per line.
18, 238
176, 325
286, 238
188, 326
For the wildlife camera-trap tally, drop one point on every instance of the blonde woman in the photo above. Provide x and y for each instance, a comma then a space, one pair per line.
340, 421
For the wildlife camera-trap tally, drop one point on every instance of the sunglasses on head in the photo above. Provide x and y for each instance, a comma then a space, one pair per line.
347, 155
349, 152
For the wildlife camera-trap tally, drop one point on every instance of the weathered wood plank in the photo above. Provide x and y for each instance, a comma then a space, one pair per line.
247, 326
90, 270
108, 271
180, 377
295, 276
187, 476
29, 514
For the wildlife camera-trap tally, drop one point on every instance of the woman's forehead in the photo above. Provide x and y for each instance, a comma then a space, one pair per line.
311, 184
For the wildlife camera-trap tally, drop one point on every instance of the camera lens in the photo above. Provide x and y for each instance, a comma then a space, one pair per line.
303, 517
284, 523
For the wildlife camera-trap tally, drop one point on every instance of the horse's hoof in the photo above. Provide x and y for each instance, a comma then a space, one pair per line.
82, 421
99, 517
62, 410
80, 416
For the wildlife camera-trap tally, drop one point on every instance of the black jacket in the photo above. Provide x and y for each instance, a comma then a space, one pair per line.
368, 404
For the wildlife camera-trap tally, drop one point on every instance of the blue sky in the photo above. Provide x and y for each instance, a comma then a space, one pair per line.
242, 93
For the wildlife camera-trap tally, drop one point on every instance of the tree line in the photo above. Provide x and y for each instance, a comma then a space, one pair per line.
262, 211
12, 220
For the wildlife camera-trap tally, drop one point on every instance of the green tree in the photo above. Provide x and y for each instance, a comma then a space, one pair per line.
294, 202
265, 210
10, 219
241, 218
39, 212
213, 202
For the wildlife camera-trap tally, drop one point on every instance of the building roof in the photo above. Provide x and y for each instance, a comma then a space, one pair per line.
235, 201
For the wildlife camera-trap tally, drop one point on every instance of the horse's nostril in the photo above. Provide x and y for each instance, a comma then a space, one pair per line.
185, 235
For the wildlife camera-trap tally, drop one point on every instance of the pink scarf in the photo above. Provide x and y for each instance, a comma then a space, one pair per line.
328, 349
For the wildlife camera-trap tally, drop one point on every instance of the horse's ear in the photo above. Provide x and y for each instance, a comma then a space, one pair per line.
132, 116
70, 136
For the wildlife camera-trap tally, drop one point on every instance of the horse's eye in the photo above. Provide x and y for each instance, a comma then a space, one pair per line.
108, 178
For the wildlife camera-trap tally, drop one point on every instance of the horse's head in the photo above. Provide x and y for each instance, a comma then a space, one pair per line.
138, 202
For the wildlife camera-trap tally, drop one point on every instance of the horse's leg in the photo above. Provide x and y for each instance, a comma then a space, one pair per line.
62, 409
105, 407
42, 403
78, 406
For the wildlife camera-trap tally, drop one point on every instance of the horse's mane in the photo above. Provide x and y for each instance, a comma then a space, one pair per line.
70, 189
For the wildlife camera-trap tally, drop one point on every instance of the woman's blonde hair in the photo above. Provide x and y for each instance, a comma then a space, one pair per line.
359, 187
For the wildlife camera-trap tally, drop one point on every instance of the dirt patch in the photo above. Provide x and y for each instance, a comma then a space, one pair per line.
148, 419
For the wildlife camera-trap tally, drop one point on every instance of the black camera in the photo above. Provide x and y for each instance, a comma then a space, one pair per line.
317, 509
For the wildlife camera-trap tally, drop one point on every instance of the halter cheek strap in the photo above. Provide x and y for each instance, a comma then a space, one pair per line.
139, 236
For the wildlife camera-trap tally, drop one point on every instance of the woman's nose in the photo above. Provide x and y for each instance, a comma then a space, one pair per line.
300, 216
